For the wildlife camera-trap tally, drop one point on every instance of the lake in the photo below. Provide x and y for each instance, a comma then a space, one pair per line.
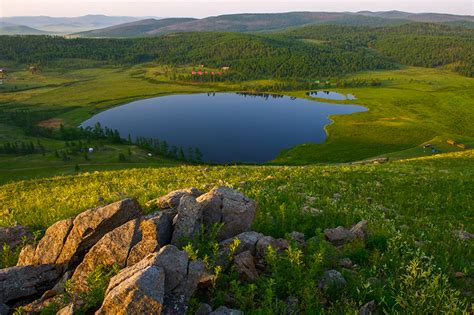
226, 127
331, 95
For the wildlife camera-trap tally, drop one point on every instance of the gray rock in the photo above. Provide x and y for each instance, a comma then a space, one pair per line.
90, 226
15, 235
204, 309
112, 249
159, 227
279, 245
247, 242
245, 266
298, 237
27, 281
171, 200
338, 236
228, 206
187, 221
368, 308
222, 310
345, 263
359, 230
332, 279
142, 292
50, 246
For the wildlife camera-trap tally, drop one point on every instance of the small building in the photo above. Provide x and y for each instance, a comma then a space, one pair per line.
150, 155
451, 142
226, 68
428, 145
461, 146
33, 69
91, 150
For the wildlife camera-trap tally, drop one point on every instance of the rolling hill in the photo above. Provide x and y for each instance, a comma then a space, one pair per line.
12, 29
271, 22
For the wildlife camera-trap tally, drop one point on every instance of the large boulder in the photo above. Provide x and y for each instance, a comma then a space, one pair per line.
188, 220
14, 236
67, 241
228, 206
181, 277
113, 248
141, 292
22, 282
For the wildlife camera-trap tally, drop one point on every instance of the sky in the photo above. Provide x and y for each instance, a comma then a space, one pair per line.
204, 8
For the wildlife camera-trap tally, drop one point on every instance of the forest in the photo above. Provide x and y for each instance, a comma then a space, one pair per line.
415, 44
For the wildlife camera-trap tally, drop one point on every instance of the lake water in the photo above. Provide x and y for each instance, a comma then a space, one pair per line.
331, 95
226, 127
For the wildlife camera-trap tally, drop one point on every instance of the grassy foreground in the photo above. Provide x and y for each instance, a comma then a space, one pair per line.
411, 263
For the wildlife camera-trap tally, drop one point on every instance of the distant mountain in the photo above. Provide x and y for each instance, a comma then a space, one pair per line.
12, 29
419, 17
271, 22
68, 24
132, 29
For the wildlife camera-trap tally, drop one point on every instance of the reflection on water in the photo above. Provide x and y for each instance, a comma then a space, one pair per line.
226, 127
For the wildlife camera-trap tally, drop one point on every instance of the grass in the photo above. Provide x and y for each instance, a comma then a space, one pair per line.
413, 206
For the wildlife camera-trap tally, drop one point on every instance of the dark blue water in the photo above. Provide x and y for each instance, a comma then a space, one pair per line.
226, 127
331, 95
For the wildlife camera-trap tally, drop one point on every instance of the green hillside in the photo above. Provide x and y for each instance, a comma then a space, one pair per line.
414, 208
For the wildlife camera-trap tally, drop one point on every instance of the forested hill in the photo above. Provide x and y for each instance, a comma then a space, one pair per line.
249, 56
416, 44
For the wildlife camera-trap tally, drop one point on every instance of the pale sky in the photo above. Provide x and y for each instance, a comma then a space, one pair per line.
204, 8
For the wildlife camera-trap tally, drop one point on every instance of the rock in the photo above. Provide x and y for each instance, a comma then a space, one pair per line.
27, 255
332, 279
222, 310
338, 236
204, 309
112, 249
61, 284
247, 241
345, 263
277, 244
171, 200
90, 226
14, 236
66, 241
67, 310
245, 266
359, 230
141, 250
50, 246
463, 235
187, 221
228, 206
159, 227
142, 292
368, 308
298, 237
4, 310
27, 281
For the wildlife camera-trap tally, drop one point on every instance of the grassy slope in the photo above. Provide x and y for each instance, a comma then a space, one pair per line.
419, 200
414, 106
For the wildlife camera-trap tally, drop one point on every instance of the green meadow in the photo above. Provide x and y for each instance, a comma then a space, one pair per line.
412, 107
412, 262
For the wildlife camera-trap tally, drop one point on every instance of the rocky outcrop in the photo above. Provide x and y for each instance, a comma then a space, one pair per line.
14, 236
113, 248
68, 240
141, 292
171, 278
188, 220
27, 281
230, 207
